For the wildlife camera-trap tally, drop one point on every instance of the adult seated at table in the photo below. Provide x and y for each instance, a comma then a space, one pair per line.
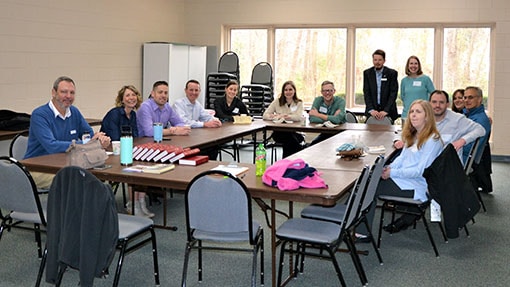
404, 176
53, 127
194, 114
157, 110
124, 115
230, 105
327, 108
290, 108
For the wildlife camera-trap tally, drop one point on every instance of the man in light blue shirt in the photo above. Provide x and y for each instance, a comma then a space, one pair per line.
192, 111
454, 128
193, 114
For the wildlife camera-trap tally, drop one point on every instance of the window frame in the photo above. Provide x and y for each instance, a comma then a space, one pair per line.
438, 57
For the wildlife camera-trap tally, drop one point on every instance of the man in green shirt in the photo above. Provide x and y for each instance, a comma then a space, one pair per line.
327, 108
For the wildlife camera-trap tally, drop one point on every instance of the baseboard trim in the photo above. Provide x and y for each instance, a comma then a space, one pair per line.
500, 158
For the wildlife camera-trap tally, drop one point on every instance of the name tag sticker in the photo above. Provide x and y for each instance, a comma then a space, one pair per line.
293, 108
73, 132
235, 111
323, 110
416, 84
384, 79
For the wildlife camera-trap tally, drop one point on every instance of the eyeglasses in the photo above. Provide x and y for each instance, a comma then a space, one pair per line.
327, 91
469, 97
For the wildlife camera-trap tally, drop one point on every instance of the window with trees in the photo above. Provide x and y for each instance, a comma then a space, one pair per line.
453, 57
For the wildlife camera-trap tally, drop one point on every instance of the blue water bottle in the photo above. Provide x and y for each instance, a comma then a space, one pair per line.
158, 132
126, 147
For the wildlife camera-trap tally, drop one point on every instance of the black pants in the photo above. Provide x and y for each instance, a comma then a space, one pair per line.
481, 175
321, 137
389, 187
291, 142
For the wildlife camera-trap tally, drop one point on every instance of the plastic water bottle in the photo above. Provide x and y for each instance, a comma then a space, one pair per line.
260, 160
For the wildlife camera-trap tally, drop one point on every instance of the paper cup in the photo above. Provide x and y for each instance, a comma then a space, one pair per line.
116, 147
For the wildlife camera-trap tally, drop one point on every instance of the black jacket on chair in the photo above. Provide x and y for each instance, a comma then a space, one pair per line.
83, 227
449, 185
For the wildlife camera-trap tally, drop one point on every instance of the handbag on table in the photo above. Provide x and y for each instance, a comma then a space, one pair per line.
87, 155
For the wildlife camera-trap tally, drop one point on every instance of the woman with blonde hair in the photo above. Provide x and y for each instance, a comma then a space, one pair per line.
128, 100
404, 176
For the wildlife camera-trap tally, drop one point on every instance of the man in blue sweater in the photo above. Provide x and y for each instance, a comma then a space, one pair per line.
54, 125
475, 110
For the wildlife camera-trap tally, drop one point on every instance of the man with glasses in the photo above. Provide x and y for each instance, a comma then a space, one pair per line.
380, 88
327, 108
475, 110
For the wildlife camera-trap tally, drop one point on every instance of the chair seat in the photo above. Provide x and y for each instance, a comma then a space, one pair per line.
331, 213
309, 230
27, 217
130, 225
402, 200
225, 236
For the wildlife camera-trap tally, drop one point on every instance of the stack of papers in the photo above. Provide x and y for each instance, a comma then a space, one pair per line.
243, 120
327, 124
232, 168
156, 168
376, 149
280, 121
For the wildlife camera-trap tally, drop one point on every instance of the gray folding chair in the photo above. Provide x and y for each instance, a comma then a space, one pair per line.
218, 210
18, 146
335, 213
474, 158
18, 196
84, 229
350, 117
325, 235
374, 121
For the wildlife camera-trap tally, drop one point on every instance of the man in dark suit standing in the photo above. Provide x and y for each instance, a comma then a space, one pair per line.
380, 88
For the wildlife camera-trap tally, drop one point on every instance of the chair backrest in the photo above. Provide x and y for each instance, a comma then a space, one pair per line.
373, 182
468, 165
229, 63
350, 117
374, 121
355, 199
18, 192
18, 146
262, 74
481, 148
216, 201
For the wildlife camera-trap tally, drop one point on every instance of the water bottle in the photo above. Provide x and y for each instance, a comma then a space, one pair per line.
126, 147
260, 160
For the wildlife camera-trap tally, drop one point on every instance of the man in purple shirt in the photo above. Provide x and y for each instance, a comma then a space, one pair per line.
157, 110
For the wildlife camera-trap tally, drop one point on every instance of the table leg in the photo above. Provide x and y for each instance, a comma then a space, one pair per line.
273, 243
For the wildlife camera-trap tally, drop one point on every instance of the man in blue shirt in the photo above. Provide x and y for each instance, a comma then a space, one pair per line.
53, 126
194, 114
157, 110
475, 110
192, 111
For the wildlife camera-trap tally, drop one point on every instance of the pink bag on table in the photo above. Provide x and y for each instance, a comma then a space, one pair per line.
289, 174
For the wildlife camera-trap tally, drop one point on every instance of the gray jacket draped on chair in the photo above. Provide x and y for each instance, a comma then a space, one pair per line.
83, 228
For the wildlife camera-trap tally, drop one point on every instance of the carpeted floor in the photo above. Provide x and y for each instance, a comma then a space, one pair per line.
481, 260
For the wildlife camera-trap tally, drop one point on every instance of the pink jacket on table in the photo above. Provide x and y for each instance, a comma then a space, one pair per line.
274, 176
